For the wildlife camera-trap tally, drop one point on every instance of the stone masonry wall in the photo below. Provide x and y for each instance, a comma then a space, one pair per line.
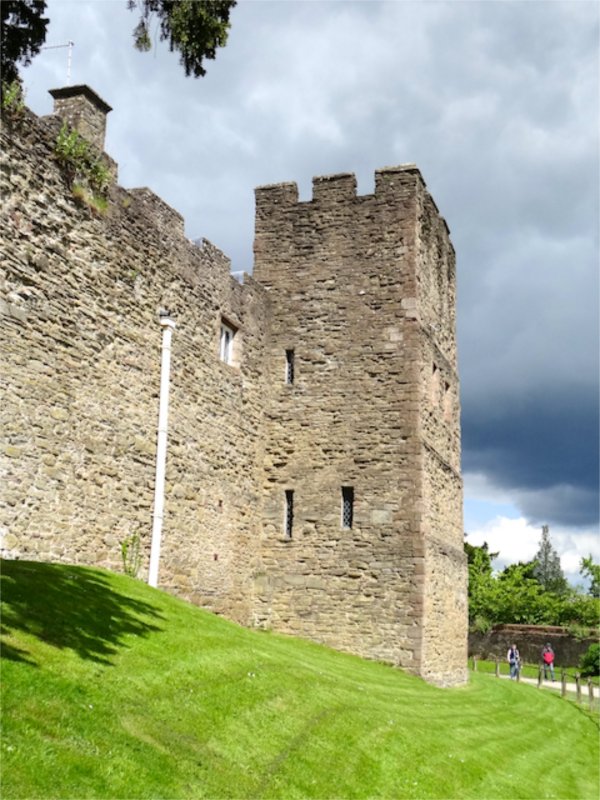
81, 363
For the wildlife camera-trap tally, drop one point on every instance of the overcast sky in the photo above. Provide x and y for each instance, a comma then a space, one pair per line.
496, 102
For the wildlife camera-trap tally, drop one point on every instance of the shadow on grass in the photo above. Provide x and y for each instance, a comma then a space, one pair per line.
69, 607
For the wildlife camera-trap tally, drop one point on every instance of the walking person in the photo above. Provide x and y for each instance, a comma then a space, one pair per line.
514, 660
548, 661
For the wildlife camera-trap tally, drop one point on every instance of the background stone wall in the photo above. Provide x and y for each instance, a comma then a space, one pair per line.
530, 639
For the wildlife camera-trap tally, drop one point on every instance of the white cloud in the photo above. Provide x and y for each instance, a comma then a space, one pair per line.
514, 539
517, 540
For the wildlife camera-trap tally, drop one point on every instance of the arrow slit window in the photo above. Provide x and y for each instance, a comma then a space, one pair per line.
347, 507
288, 522
289, 366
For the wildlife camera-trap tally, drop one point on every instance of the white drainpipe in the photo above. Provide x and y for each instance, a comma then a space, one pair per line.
161, 447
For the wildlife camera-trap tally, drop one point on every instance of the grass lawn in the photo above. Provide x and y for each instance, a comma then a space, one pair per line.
115, 690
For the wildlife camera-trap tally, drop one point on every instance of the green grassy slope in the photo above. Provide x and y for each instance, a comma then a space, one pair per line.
114, 690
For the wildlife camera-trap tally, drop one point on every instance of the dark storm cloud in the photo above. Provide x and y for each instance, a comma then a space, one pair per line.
542, 447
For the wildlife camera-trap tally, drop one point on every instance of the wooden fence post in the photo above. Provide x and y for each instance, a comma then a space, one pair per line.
539, 676
497, 667
474, 663
578, 685
563, 683
591, 693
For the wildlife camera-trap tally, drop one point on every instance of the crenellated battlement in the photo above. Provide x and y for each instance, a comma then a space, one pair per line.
392, 184
282, 194
334, 188
338, 220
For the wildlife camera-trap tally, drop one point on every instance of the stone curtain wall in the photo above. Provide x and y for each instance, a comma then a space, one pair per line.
344, 275
81, 364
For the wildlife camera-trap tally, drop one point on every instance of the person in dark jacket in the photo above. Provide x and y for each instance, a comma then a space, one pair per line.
514, 660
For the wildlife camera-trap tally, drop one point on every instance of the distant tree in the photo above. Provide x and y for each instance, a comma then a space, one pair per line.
195, 28
579, 610
548, 570
516, 595
482, 587
521, 599
480, 557
525, 569
23, 32
592, 571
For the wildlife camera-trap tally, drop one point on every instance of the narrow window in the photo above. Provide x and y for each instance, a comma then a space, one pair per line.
289, 512
289, 366
447, 402
347, 506
435, 385
226, 347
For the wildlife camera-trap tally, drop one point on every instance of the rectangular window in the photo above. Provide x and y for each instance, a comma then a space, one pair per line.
289, 366
347, 506
226, 343
289, 513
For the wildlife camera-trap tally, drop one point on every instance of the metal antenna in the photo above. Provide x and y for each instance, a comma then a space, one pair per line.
70, 45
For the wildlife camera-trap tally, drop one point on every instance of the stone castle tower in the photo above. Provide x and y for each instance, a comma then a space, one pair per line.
313, 478
365, 439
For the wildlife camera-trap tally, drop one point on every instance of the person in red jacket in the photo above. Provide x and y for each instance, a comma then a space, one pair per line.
548, 661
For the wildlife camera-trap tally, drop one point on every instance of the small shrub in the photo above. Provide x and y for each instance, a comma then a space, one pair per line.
97, 203
481, 624
84, 166
131, 555
13, 99
590, 662
71, 150
99, 176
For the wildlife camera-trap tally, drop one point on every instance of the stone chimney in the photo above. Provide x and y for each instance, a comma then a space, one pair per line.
84, 110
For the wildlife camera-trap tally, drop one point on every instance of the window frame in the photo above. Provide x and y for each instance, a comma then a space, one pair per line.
227, 335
